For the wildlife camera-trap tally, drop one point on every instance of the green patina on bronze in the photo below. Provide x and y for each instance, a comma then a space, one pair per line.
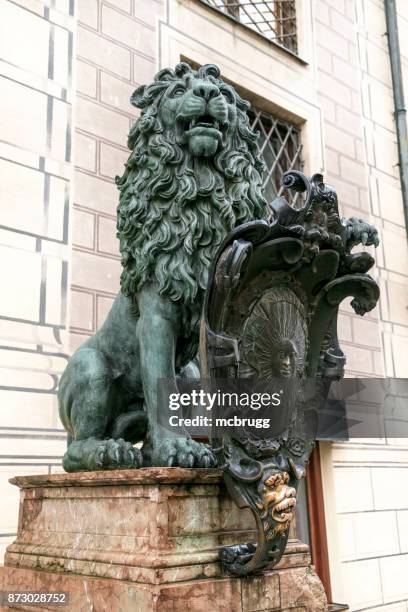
193, 175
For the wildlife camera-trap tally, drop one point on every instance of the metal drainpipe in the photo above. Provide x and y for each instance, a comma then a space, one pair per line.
399, 104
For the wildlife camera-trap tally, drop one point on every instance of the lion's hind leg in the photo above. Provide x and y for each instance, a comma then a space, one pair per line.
88, 402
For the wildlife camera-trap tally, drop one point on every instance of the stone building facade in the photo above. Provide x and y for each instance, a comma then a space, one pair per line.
67, 69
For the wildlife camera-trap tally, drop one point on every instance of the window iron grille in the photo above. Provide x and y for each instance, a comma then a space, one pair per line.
275, 19
280, 144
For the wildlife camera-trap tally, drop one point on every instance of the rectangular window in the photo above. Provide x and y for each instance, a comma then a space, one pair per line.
280, 145
274, 19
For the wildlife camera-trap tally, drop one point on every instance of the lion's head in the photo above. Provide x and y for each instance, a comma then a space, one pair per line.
193, 175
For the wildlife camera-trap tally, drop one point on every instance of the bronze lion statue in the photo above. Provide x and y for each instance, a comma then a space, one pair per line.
194, 173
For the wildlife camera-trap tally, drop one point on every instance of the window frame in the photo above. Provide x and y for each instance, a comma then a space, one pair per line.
278, 126
298, 34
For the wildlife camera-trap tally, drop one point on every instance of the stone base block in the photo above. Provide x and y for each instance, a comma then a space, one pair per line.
294, 590
145, 540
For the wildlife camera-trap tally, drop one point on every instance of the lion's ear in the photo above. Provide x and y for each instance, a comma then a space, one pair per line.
138, 98
182, 68
209, 70
167, 74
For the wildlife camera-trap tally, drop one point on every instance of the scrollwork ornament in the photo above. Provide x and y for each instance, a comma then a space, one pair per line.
279, 310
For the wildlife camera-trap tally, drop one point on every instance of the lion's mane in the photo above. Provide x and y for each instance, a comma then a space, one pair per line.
174, 209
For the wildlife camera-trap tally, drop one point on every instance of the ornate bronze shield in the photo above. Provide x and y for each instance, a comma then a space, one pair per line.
271, 314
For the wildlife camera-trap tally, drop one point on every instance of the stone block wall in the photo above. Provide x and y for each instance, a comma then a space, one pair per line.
368, 557
115, 53
339, 88
36, 190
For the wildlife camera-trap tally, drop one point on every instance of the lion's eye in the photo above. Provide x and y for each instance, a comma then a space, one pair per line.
178, 92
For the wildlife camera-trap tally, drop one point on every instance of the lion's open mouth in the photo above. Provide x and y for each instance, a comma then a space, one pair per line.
203, 135
205, 125
284, 510
205, 121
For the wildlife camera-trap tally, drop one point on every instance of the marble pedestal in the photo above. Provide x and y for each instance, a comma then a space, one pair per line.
145, 540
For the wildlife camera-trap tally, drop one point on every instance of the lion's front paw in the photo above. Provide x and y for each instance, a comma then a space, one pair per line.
117, 454
96, 454
183, 452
